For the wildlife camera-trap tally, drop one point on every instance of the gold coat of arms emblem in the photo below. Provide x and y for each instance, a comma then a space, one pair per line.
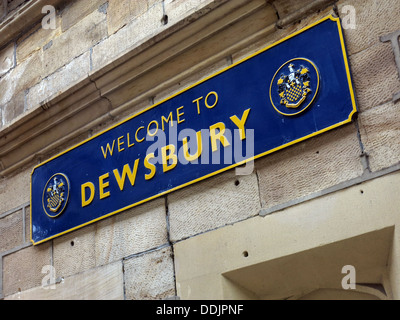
294, 87
55, 195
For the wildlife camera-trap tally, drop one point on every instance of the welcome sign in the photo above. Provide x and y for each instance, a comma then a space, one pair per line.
288, 92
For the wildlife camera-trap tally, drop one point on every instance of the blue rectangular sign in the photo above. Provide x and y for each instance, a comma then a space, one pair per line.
288, 92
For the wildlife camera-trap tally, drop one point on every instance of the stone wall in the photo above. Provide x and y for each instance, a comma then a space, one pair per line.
132, 255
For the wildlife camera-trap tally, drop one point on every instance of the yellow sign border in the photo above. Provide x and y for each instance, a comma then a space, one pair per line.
349, 120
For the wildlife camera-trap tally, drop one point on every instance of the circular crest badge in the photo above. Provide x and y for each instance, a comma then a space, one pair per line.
294, 87
56, 195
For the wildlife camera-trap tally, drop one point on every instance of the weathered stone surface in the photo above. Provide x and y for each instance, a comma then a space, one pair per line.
19, 79
375, 75
27, 224
373, 18
279, 34
75, 41
14, 191
11, 234
208, 51
380, 135
14, 4
310, 166
38, 64
122, 12
75, 252
127, 37
22, 270
150, 276
178, 9
3, 8
191, 80
104, 283
35, 40
77, 11
77, 69
7, 59
134, 231
118, 15
285, 7
14, 107
213, 203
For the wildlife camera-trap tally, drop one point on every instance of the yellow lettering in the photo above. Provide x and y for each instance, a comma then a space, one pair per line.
170, 156
152, 134
103, 185
120, 143
218, 136
90, 186
240, 123
179, 115
136, 134
198, 104
186, 153
216, 100
109, 149
130, 145
150, 166
126, 172
167, 120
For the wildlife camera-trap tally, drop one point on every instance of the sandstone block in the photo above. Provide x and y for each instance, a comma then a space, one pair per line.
212, 203
285, 7
3, 9
134, 231
22, 270
310, 166
76, 70
131, 35
27, 224
77, 11
150, 276
375, 75
104, 283
7, 59
14, 4
380, 135
11, 234
75, 252
15, 190
122, 12
191, 80
35, 40
118, 15
14, 108
278, 34
22, 77
178, 9
373, 19
74, 42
